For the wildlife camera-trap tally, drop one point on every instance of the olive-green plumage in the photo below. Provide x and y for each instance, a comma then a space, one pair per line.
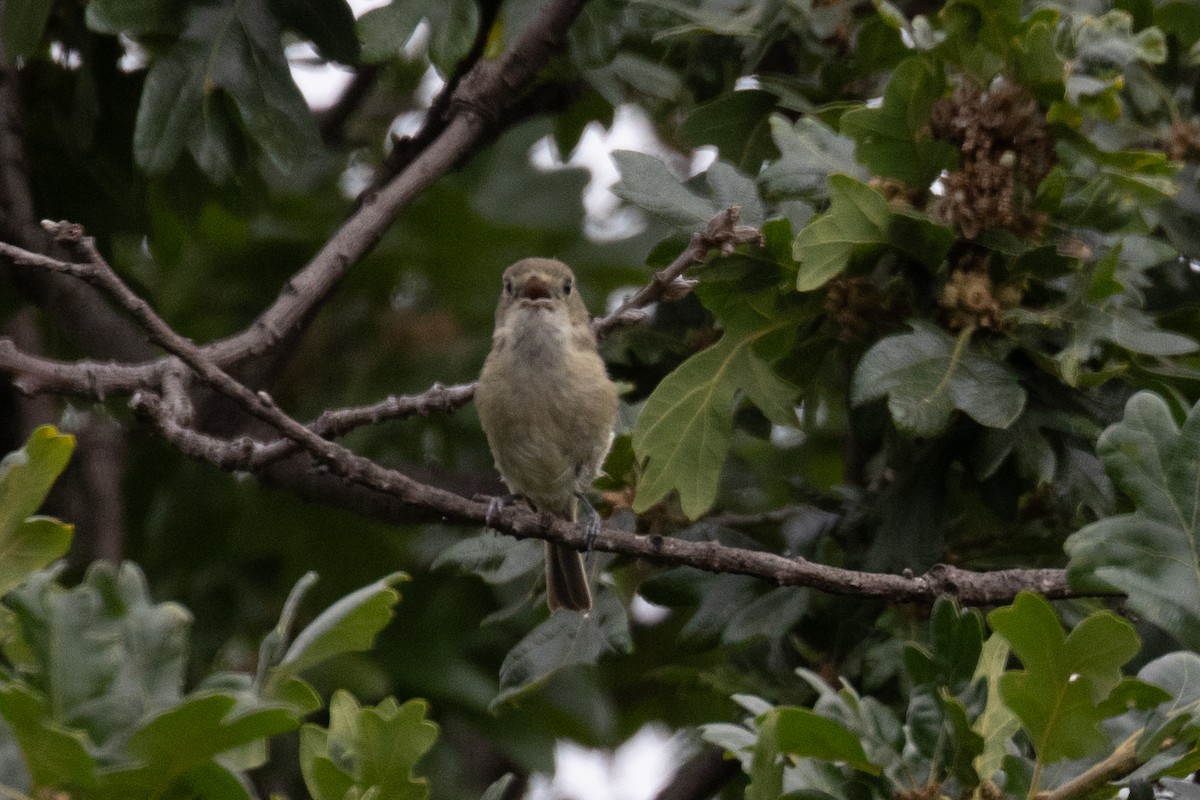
547, 405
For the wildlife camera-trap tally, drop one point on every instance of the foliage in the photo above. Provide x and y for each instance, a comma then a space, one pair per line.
968, 335
1070, 698
92, 695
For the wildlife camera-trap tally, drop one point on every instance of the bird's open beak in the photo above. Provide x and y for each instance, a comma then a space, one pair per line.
534, 289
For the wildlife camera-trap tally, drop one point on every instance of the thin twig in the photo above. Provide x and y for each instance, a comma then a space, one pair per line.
1123, 761
722, 233
478, 101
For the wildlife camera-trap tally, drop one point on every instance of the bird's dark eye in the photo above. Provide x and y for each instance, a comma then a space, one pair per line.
508, 289
567, 286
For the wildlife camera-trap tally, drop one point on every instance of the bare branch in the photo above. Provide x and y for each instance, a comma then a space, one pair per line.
722, 232
405, 493
971, 588
485, 91
1123, 761
439, 113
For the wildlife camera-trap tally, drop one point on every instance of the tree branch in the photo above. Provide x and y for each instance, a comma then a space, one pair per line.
971, 588
480, 98
722, 232
1122, 762
405, 494
437, 116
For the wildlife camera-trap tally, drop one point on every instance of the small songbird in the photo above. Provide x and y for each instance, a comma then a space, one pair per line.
547, 406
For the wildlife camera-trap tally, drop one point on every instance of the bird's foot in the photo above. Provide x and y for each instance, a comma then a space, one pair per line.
497, 505
591, 527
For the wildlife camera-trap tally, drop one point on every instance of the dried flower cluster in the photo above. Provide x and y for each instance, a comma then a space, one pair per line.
859, 309
1006, 151
971, 300
1183, 141
899, 195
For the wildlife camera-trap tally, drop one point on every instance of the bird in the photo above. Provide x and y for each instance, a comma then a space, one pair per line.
548, 408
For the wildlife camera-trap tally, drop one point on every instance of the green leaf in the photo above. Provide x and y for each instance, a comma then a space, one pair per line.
26, 475
927, 374
956, 641
894, 139
979, 35
804, 733
349, 625
1178, 676
684, 430
937, 726
384, 31
29, 543
858, 221
496, 559
563, 640
811, 152
730, 187
106, 655
233, 49
1150, 554
452, 24
21, 25
367, 752
997, 724
135, 17
329, 24
499, 788
648, 183
727, 608
54, 755
875, 725
185, 740
1058, 695
1038, 65
1109, 41
736, 124
766, 769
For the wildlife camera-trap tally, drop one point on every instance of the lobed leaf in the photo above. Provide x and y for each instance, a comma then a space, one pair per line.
1059, 695
1150, 554
927, 375
29, 543
563, 640
810, 153
349, 625
894, 139
858, 221
367, 752
106, 655
684, 430
648, 183
181, 745
179, 107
